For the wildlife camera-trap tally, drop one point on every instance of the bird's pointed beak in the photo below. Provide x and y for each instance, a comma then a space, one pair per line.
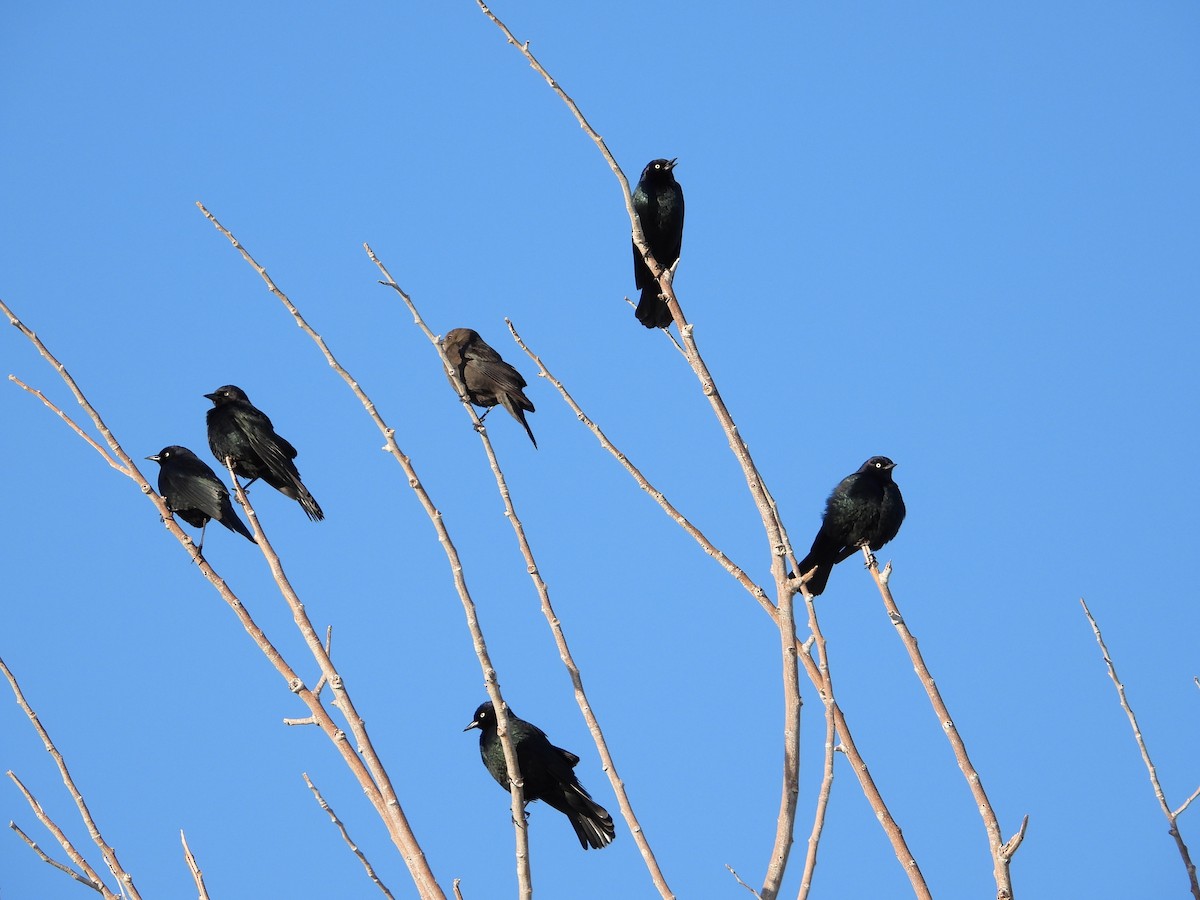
212, 396
155, 457
473, 724
672, 163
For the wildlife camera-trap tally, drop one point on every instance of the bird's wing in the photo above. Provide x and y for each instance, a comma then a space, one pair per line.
259, 431
495, 373
193, 487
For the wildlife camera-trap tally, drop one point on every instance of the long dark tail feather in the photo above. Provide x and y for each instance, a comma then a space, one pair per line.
519, 414
591, 821
311, 508
234, 523
652, 311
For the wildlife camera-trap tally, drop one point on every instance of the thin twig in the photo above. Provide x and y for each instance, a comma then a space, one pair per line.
63, 841
996, 845
543, 592
826, 692
193, 867
53, 862
346, 836
109, 854
71, 422
819, 676
1137, 736
738, 879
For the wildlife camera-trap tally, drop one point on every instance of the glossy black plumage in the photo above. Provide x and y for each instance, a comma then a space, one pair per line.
239, 430
548, 773
193, 492
489, 380
658, 202
865, 508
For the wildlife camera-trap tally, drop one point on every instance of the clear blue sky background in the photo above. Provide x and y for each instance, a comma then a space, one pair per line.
963, 235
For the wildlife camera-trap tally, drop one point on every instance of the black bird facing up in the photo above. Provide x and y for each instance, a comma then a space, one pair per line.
241, 431
193, 492
548, 773
865, 508
658, 202
489, 380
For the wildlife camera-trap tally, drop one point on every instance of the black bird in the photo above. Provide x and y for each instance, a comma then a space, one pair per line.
489, 380
194, 492
865, 508
548, 773
239, 430
658, 202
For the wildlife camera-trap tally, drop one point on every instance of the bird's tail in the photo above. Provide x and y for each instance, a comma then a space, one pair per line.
820, 578
591, 821
652, 310
309, 503
517, 409
234, 523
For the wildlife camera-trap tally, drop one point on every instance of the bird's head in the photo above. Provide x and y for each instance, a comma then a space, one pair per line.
659, 169
171, 452
880, 465
227, 394
485, 717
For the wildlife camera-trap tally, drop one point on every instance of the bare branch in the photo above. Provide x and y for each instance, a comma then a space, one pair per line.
193, 867
543, 592
1186, 803
826, 691
738, 879
1000, 860
71, 422
63, 841
819, 676
54, 862
387, 805
110, 855
1137, 736
346, 836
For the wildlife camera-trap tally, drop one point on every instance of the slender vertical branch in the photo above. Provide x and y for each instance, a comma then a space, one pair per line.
825, 689
1150, 769
543, 592
193, 867
1001, 851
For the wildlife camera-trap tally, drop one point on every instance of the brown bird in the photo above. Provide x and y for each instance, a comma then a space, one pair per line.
489, 380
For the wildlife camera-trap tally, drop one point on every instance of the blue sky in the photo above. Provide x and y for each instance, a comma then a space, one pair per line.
961, 235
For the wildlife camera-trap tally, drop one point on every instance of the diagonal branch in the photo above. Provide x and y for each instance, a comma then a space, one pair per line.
93, 879
346, 837
98, 887
1137, 736
543, 592
1001, 851
106, 850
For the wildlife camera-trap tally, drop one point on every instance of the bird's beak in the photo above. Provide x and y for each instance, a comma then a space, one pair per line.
671, 164
212, 396
473, 724
155, 457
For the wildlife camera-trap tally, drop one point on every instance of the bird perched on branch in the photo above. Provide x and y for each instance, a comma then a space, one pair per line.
865, 508
489, 380
548, 774
658, 202
239, 430
193, 492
